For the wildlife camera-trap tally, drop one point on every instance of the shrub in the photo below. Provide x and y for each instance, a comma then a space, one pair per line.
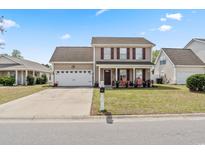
30, 80
196, 82
7, 81
44, 79
38, 80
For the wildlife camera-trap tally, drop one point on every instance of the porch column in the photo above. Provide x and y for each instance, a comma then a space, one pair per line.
99, 75
8, 73
16, 77
26, 77
116, 74
22, 77
133, 75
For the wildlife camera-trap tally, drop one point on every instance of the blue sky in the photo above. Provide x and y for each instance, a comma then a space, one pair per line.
36, 33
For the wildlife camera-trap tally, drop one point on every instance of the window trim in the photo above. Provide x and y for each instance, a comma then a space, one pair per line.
124, 50
137, 54
107, 54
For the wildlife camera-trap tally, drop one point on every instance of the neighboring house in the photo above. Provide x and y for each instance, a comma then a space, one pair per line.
175, 65
21, 68
109, 59
198, 47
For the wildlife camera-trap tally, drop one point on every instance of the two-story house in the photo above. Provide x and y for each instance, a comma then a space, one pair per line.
110, 59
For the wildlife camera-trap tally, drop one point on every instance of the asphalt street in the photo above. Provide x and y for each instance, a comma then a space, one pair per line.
110, 131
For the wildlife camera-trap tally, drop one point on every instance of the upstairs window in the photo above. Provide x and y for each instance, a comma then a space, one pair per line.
162, 60
123, 53
138, 53
107, 53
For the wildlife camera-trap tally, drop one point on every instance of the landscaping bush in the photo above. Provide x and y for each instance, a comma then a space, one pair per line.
30, 80
196, 82
7, 81
38, 80
44, 79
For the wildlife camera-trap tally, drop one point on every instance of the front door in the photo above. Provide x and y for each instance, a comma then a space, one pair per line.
107, 77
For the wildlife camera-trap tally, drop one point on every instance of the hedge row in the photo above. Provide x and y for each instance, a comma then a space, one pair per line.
196, 82
7, 81
39, 80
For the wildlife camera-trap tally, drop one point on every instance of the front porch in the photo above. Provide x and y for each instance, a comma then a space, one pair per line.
120, 76
20, 75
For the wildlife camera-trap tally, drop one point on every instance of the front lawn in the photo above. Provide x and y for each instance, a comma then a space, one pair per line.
162, 99
11, 93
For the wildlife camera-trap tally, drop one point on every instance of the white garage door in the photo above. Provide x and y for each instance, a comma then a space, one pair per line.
73, 77
183, 75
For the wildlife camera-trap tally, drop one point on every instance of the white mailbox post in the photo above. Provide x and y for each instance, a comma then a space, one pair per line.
102, 91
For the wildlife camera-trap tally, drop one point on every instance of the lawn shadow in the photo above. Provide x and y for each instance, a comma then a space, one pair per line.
109, 119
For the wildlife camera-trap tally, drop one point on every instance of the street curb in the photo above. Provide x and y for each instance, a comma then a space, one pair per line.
103, 117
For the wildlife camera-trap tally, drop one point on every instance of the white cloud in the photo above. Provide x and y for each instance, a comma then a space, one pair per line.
65, 36
165, 28
142, 33
163, 19
2, 41
7, 23
176, 16
100, 12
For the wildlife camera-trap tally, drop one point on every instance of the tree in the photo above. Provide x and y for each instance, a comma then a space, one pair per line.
155, 54
16, 53
2, 30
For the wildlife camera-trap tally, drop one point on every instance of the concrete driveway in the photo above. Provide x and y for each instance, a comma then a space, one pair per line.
50, 103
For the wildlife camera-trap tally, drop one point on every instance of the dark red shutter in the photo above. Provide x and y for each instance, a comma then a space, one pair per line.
144, 53
112, 53
102, 53
118, 74
143, 75
133, 53
128, 75
128, 53
118, 53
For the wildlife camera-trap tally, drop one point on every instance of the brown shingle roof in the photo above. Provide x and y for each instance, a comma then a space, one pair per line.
182, 56
72, 54
120, 40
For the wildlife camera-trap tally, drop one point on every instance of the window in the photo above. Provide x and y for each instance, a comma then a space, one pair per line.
138, 74
76, 71
162, 60
58, 72
123, 75
84, 71
71, 71
123, 53
107, 53
138, 54
62, 71
66, 71
89, 71
80, 71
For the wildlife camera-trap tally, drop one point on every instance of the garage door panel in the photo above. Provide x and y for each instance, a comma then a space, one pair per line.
183, 75
74, 77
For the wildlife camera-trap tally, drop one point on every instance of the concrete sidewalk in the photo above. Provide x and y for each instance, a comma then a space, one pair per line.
55, 102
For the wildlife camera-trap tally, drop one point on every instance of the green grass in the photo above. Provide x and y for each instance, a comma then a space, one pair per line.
159, 100
11, 93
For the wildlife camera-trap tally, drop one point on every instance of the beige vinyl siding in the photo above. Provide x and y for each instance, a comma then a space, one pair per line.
147, 57
198, 48
167, 68
64, 66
